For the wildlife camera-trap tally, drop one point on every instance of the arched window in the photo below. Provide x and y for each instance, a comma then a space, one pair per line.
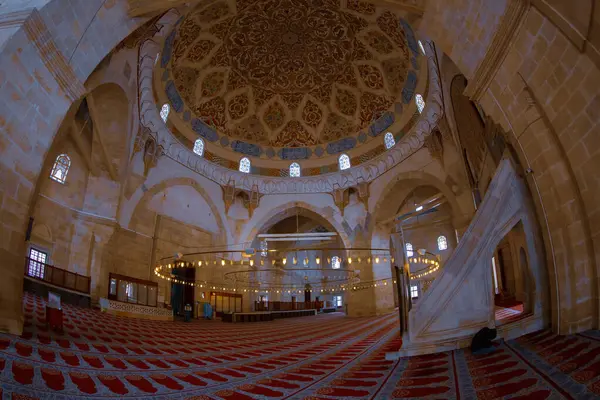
344, 162
61, 168
335, 262
389, 140
442, 243
295, 170
245, 165
199, 147
420, 103
422, 48
164, 112
409, 249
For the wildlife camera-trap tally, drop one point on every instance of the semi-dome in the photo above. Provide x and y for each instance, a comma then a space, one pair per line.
282, 80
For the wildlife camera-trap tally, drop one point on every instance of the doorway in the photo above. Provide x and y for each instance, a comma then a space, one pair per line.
510, 277
182, 294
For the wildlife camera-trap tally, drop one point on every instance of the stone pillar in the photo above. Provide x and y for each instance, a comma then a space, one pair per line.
101, 260
152, 265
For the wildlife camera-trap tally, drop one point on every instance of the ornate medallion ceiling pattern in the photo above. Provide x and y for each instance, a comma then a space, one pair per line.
289, 79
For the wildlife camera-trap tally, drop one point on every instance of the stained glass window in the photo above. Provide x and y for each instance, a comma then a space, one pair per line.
245, 165
164, 112
344, 162
335, 262
389, 140
61, 168
442, 243
199, 147
420, 103
409, 250
295, 170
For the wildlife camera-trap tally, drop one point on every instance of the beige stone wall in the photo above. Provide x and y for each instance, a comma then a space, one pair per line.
545, 93
43, 65
463, 28
556, 138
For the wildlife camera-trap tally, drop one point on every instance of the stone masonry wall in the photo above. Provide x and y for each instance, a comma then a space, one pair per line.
546, 93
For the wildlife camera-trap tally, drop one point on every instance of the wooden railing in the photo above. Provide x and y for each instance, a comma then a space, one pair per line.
57, 276
287, 306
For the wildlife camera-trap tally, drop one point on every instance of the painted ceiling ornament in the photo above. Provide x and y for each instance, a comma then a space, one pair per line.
307, 72
177, 145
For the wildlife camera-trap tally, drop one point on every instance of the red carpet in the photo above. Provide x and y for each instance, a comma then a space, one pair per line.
323, 357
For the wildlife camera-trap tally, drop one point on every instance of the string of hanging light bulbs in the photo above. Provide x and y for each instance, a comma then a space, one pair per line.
361, 257
346, 262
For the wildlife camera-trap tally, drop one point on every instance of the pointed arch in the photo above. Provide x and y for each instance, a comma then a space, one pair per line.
199, 147
344, 162
420, 103
389, 141
335, 262
164, 112
409, 249
245, 165
295, 170
442, 242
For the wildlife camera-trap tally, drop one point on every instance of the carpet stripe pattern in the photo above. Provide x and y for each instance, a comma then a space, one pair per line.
310, 358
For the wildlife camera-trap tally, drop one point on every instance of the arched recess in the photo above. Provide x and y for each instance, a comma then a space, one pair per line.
422, 231
288, 210
387, 202
162, 186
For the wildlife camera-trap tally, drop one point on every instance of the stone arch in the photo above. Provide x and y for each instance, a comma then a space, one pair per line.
418, 178
287, 210
161, 186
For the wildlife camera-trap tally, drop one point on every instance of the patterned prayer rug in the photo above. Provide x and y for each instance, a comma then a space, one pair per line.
318, 358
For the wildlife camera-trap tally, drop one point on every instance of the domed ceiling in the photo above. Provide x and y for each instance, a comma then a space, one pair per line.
290, 79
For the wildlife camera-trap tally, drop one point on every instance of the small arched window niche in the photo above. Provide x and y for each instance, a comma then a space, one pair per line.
420, 103
164, 112
245, 165
389, 140
344, 162
409, 250
60, 169
264, 247
295, 170
199, 147
442, 243
335, 262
